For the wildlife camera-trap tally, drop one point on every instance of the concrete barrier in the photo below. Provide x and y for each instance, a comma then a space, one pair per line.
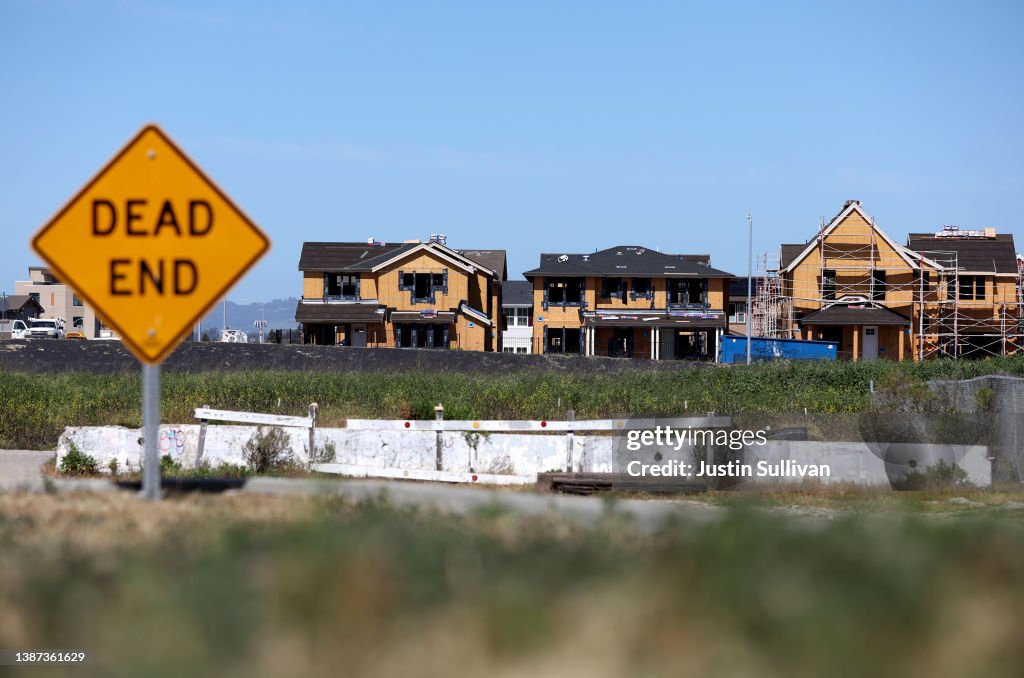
516, 454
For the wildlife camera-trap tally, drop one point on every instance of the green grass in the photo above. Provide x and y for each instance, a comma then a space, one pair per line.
243, 586
35, 408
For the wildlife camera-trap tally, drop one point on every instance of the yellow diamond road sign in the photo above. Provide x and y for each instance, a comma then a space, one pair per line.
151, 243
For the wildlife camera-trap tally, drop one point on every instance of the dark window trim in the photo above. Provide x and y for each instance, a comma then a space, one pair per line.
434, 289
341, 286
828, 283
581, 283
634, 295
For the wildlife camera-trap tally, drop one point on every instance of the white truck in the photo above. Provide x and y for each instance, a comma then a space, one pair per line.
45, 328
13, 329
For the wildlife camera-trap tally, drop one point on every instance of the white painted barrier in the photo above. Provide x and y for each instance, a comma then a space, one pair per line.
540, 426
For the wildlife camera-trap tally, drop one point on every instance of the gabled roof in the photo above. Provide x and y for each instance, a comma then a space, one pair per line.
850, 207
790, 252
627, 261
16, 302
517, 293
982, 255
493, 260
439, 250
354, 257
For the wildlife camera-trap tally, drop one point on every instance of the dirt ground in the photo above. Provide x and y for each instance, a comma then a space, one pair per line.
107, 357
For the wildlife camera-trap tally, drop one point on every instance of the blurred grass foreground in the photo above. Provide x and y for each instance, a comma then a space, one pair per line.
244, 586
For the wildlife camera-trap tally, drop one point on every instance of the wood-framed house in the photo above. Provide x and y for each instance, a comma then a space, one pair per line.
404, 295
629, 301
855, 285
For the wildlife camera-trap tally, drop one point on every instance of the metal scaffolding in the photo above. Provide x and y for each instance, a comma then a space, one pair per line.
951, 314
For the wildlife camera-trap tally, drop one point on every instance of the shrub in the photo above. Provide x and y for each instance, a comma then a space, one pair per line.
268, 450
941, 476
77, 463
324, 454
169, 467
221, 470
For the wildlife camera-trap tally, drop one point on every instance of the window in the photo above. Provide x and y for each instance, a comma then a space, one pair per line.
972, 288
877, 285
421, 335
77, 322
828, 284
517, 316
564, 291
34, 296
341, 285
738, 312
687, 292
612, 288
423, 286
642, 288
75, 301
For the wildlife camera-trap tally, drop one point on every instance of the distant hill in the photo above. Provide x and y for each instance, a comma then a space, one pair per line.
279, 313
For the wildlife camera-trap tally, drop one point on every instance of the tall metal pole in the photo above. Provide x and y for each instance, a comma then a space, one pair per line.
750, 277
151, 431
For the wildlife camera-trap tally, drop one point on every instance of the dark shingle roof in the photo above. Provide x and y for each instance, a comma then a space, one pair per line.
345, 256
625, 260
517, 293
15, 302
789, 253
337, 313
490, 259
995, 255
738, 287
847, 315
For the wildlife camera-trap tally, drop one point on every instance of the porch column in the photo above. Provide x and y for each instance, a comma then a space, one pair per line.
856, 342
653, 343
903, 333
657, 343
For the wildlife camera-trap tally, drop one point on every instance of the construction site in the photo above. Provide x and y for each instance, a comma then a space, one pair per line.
955, 293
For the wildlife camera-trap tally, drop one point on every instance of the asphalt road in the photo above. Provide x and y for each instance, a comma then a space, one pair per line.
19, 469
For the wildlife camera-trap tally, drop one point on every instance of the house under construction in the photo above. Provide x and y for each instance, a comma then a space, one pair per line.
953, 293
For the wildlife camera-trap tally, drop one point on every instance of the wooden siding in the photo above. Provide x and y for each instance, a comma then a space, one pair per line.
312, 285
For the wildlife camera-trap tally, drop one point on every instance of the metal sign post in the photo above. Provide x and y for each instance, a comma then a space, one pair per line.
152, 244
151, 431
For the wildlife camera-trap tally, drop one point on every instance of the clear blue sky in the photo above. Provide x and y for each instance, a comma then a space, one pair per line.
532, 127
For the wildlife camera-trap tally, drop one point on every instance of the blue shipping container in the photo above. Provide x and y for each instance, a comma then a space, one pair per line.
734, 349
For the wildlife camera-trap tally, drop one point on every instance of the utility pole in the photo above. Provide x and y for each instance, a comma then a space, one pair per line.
750, 277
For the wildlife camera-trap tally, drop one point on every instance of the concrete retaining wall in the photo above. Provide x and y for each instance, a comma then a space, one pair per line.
508, 453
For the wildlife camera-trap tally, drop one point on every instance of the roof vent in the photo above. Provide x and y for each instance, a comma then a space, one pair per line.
851, 202
641, 250
564, 258
439, 238
372, 242
586, 257
414, 241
